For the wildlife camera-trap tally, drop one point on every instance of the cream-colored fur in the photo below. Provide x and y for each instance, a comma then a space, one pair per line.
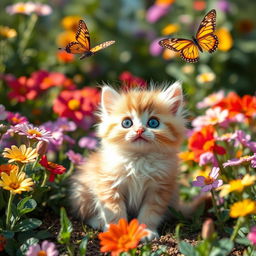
130, 175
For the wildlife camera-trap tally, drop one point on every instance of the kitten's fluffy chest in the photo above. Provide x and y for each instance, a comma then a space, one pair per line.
136, 174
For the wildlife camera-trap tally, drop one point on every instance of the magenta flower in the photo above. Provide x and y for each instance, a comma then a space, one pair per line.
239, 161
155, 12
252, 235
16, 118
206, 158
210, 182
88, 142
75, 158
223, 5
47, 248
3, 113
155, 49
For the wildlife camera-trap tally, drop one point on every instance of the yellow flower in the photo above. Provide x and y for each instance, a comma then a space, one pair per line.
170, 29
188, 69
70, 22
16, 182
164, 2
243, 208
7, 32
65, 38
237, 185
169, 54
225, 39
186, 155
22, 154
205, 77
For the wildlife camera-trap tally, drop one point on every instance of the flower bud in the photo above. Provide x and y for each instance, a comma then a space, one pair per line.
207, 229
42, 147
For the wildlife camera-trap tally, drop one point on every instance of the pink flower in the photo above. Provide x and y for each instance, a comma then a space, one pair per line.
211, 100
239, 161
47, 248
252, 235
42, 9
23, 8
210, 182
88, 142
75, 158
16, 118
155, 49
3, 113
155, 12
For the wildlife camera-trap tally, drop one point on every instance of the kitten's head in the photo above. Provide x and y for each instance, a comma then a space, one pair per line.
142, 120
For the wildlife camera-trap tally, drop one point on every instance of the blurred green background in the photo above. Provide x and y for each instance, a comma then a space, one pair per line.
129, 23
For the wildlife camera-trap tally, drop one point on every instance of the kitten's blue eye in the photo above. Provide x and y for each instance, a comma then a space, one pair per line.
127, 123
153, 123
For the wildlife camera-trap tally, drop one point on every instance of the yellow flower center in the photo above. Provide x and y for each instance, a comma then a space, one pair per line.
37, 133
42, 253
74, 104
21, 8
208, 180
14, 185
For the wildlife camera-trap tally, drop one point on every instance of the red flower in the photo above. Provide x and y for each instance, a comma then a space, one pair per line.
52, 168
239, 105
130, 81
3, 242
204, 141
78, 105
65, 57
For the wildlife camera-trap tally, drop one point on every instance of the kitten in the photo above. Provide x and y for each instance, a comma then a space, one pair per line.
136, 166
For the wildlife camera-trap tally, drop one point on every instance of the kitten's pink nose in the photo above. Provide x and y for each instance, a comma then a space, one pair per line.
140, 131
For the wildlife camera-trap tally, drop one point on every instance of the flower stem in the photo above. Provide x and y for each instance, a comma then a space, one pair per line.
236, 229
216, 209
45, 179
9, 210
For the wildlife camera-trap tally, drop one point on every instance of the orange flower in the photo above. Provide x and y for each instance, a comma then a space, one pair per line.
203, 141
122, 237
7, 168
65, 57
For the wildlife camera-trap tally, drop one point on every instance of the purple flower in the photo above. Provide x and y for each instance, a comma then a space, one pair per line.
239, 161
3, 113
223, 5
210, 182
207, 157
155, 49
88, 142
75, 158
155, 12
47, 248
65, 124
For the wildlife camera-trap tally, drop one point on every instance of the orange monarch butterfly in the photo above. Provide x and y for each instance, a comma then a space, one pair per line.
204, 40
83, 45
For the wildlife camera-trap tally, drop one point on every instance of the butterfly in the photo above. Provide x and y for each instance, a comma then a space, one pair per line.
204, 40
82, 44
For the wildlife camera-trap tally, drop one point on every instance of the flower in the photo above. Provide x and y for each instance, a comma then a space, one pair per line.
223, 5
186, 156
71, 22
46, 249
52, 168
88, 142
65, 38
225, 39
237, 185
252, 235
22, 8
155, 12
199, 5
170, 29
75, 158
211, 100
206, 77
7, 32
22, 154
164, 2
122, 237
243, 208
42, 9
210, 182
213, 116
7, 168
169, 54
245, 26
16, 182
3, 113
32, 132
65, 57
16, 118
207, 229
130, 81
155, 49
78, 105
3, 242
239, 161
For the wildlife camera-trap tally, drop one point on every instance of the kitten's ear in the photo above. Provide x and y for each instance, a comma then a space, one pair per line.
108, 97
174, 97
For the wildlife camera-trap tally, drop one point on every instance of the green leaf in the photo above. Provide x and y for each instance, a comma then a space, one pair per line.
187, 249
43, 234
244, 241
27, 224
26, 205
65, 229
222, 247
11, 247
24, 247
83, 246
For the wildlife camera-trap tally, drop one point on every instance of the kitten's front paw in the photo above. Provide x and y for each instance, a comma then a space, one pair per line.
152, 234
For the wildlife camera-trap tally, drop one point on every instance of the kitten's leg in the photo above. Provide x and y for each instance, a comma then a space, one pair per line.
111, 208
153, 209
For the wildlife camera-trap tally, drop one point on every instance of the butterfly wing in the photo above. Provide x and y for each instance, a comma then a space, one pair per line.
187, 48
82, 35
75, 48
102, 46
205, 33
